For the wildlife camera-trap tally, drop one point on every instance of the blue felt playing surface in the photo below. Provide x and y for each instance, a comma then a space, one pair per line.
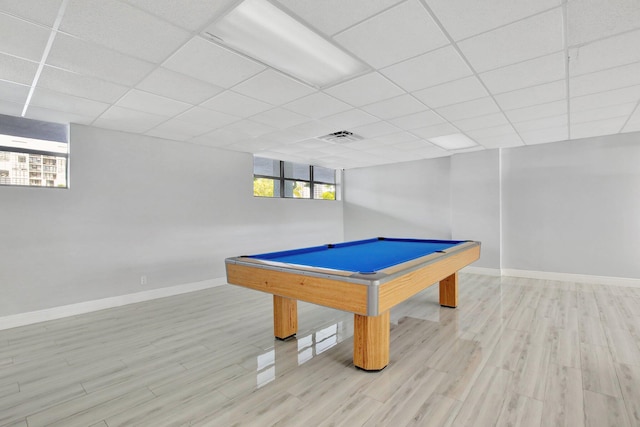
363, 256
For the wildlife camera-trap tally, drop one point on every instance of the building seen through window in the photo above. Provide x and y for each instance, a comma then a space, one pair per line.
33, 153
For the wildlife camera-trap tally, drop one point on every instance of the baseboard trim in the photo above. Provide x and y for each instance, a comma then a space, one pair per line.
569, 277
23, 319
496, 272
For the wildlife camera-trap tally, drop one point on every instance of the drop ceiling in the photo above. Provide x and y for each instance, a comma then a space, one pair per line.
503, 73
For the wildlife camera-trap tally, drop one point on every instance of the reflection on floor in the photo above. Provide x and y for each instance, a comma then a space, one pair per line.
516, 352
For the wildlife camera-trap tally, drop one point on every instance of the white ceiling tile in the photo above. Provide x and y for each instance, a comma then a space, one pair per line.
393, 155
417, 120
533, 95
302, 146
67, 103
14, 92
17, 70
530, 38
349, 119
465, 89
436, 130
317, 105
233, 103
589, 20
150, 103
376, 129
395, 107
242, 146
481, 122
178, 130
402, 32
416, 144
433, 68
82, 57
211, 63
501, 141
463, 18
465, 110
551, 122
367, 144
635, 116
394, 138
80, 85
180, 87
310, 129
20, 38
430, 151
40, 11
189, 14
123, 28
273, 87
250, 128
365, 90
125, 120
281, 136
631, 127
603, 54
603, 99
279, 118
10, 108
597, 127
490, 132
633, 124
205, 117
219, 137
546, 135
332, 16
627, 75
533, 112
528, 73
602, 113
56, 116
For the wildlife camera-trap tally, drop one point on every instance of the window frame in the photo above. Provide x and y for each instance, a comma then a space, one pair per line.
281, 180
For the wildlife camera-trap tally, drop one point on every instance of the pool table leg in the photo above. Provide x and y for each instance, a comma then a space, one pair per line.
449, 291
371, 341
285, 317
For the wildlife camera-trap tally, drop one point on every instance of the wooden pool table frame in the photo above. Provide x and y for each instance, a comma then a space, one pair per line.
368, 296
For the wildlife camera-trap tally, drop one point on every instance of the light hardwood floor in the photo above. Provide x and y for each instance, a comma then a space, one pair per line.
516, 352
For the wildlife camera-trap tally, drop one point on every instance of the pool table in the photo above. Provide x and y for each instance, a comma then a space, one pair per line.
364, 277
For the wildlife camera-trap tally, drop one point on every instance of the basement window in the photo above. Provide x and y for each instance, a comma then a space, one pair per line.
283, 179
33, 153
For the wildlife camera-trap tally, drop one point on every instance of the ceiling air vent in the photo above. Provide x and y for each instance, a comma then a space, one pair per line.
341, 137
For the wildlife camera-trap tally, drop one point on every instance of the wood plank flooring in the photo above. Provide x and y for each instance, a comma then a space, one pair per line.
516, 352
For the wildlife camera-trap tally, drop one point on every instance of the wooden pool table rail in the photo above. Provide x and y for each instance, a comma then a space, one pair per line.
369, 298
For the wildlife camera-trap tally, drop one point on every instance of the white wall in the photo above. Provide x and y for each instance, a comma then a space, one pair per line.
574, 207
142, 206
399, 200
475, 203
570, 207
455, 197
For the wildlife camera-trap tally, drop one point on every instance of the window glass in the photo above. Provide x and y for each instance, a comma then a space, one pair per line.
277, 178
266, 167
266, 187
33, 153
296, 171
324, 191
321, 174
297, 189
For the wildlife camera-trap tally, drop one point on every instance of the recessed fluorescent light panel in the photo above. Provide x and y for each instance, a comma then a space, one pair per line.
263, 31
457, 141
